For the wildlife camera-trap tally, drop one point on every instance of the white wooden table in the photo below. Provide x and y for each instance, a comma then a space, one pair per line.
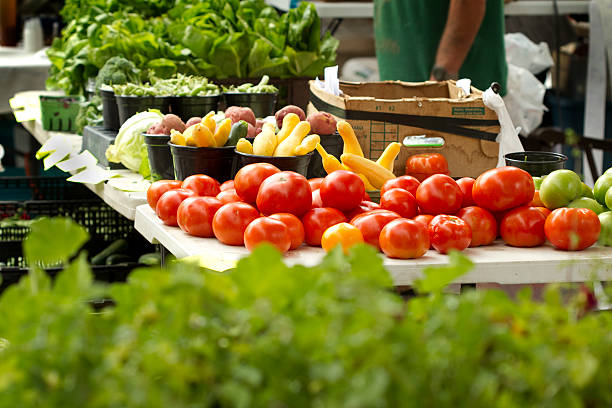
121, 201
497, 263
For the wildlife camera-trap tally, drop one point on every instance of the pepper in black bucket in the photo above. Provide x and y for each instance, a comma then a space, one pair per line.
160, 157
299, 164
536, 163
216, 162
333, 144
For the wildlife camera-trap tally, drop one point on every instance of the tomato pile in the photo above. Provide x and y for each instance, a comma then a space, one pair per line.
283, 208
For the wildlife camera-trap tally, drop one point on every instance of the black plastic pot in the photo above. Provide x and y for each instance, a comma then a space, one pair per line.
536, 163
333, 144
262, 104
186, 107
110, 112
129, 105
299, 164
160, 157
216, 162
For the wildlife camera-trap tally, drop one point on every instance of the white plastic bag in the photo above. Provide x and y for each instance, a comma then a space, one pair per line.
524, 53
508, 139
524, 99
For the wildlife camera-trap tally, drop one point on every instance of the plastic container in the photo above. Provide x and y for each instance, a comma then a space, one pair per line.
262, 104
110, 111
128, 105
216, 162
186, 107
58, 113
299, 164
160, 157
333, 144
536, 163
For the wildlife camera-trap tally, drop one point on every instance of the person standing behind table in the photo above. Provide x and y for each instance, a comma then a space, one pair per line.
419, 40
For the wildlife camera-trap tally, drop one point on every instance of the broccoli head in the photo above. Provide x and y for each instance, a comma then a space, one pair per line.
117, 71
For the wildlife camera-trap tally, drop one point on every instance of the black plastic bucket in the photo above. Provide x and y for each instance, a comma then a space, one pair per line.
110, 112
333, 144
262, 104
160, 158
299, 164
216, 162
186, 107
536, 163
129, 105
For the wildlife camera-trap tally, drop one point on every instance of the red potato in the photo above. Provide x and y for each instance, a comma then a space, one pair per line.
193, 121
280, 115
169, 122
237, 113
322, 123
259, 126
252, 131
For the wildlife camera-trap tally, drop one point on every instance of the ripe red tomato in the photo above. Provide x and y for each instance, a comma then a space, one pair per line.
421, 166
405, 182
195, 215
400, 201
294, 227
466, 184
439, 194
365, 206
544, 211
231, 220
343, 234
168, 204
286, 191
266, 229
228, 196
227, 185
157, 188
503, 188
572, 229
343, 190
523, 227
317, 220
202, 185
424, 219
249, 178
316, 199
404, 239
371, 223
481, 222
315, 183
448, 232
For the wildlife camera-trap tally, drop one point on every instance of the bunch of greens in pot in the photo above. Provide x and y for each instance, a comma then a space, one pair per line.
261, 87
211, 38
179, 85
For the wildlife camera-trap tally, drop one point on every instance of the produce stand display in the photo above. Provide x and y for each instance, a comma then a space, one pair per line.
497, 263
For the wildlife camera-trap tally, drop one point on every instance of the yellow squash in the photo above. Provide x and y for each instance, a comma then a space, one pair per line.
264, 143
387, 158
209, 122
199, 135
177, 138
244, 146
287, 146
290, 121
222, 132
308, 145
351, 144
376, 174
330, 163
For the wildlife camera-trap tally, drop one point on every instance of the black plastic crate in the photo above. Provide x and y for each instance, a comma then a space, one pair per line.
24, 188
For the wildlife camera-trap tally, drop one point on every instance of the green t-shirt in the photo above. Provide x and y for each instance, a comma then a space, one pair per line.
408, 32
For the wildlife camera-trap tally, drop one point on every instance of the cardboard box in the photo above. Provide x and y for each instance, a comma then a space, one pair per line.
384, 112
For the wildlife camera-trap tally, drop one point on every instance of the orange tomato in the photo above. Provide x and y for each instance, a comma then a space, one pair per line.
345, 234
536, 202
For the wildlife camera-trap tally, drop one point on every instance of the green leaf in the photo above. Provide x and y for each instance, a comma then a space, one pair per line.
438, 277
53, 240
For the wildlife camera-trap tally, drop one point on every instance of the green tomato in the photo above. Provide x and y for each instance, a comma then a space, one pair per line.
537, 182
559, 188
605, 235
586, 191
602, 185
585, 202
608, 198
608, 171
